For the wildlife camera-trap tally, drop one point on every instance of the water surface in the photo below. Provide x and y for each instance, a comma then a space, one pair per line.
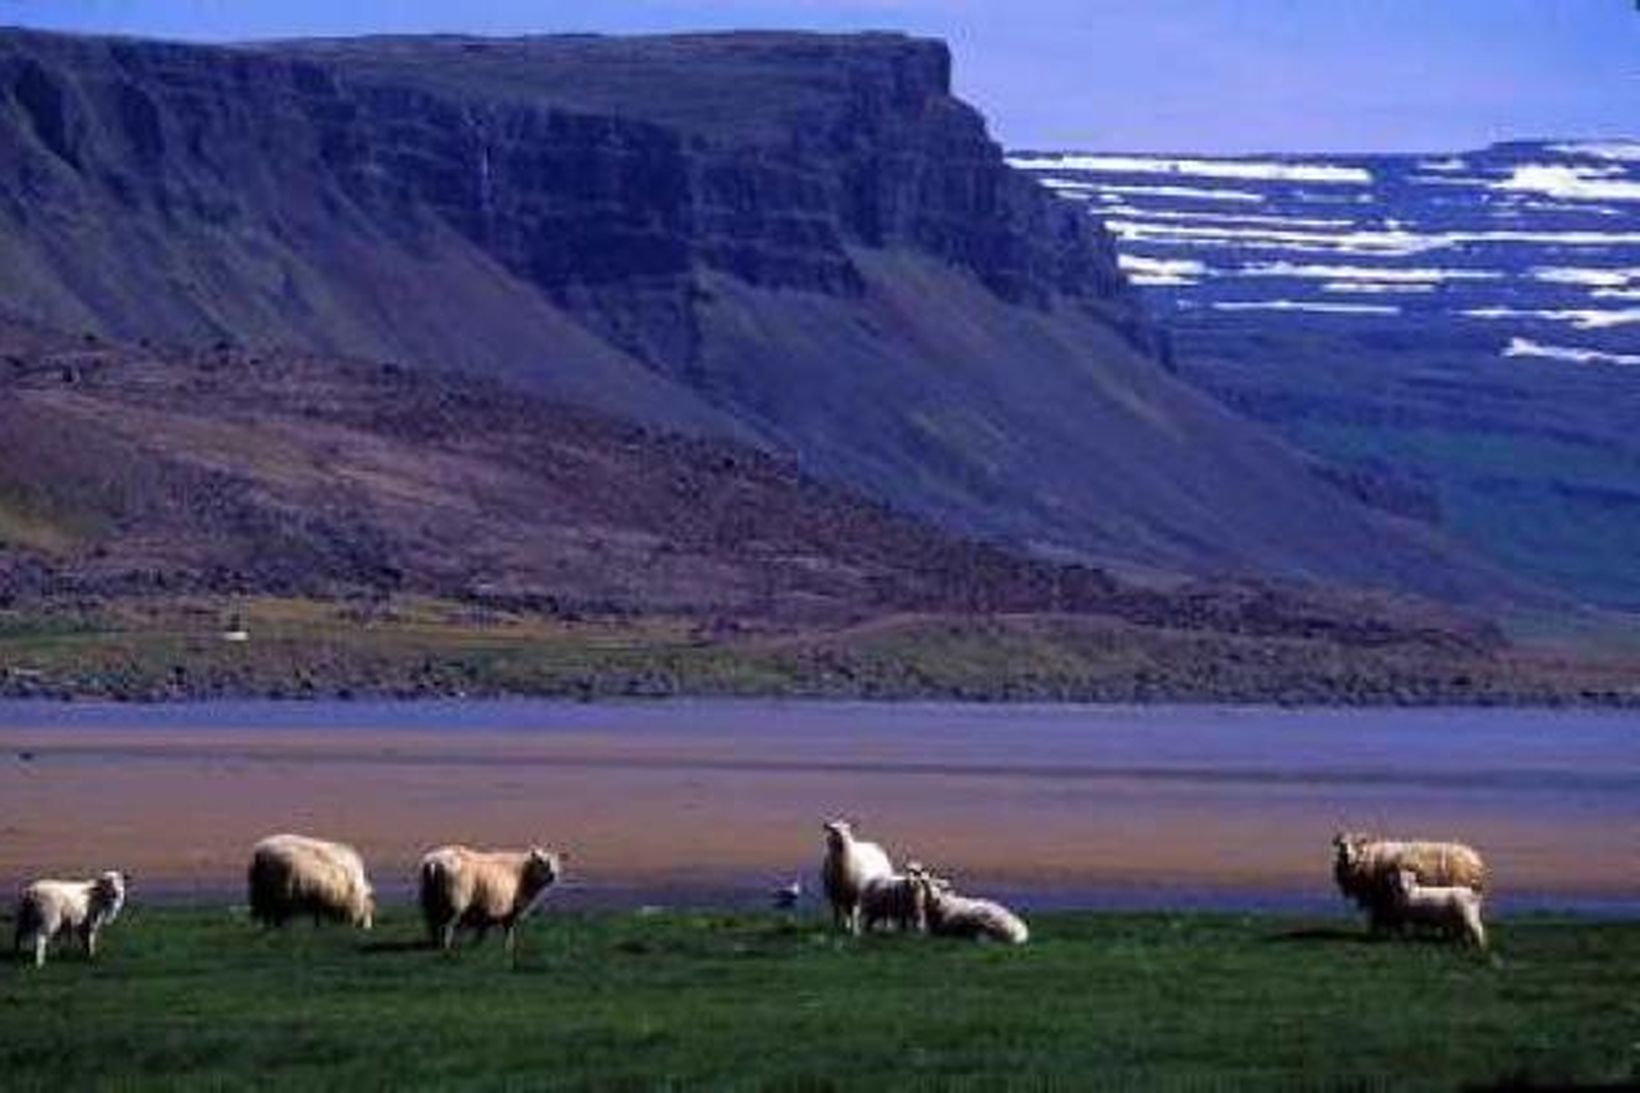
715, 801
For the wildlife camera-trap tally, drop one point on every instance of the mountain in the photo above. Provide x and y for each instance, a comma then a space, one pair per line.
1457, 335
801, 243
149, 471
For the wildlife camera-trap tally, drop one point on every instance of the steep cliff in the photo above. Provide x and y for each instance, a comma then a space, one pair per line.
800, 241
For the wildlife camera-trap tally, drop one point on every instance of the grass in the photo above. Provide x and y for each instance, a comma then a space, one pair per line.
159, 647
200, 999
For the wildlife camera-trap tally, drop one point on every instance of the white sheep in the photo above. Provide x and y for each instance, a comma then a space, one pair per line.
291, 875
895, 898
482, 888
952, 915
50, 909
1453, 909
848, 865
1364, 867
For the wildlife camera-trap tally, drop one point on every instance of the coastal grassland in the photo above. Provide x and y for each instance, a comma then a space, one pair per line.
200, 999
158, 647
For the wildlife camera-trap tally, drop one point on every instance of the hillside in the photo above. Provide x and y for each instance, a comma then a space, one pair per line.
1456, 334
841, 270
383, 530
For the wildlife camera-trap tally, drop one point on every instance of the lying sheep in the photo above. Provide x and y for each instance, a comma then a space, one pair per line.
951, 915
1454, 910
1364, 868
50, 909
848, 865
291, 875
895, 898
479, 889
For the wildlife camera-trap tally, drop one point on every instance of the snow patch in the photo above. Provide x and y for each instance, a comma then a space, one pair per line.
1625, 150
1136, 263
1380, 274
1384, 244
1192, 193
1269, 171
1570, 183
1135, 213
1526, 347
1581, 319
1594, 278
1365, 287
1300, 305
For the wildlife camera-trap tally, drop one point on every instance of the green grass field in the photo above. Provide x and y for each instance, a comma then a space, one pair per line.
199, 999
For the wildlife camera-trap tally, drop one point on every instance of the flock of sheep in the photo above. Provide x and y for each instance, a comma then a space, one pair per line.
1400, 884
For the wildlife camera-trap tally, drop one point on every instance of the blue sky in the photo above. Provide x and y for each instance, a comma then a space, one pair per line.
1141, 75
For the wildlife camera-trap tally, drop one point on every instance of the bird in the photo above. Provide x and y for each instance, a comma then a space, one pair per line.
787, 895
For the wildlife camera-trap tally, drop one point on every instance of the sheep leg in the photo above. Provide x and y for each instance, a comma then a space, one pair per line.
88, 937
40, 950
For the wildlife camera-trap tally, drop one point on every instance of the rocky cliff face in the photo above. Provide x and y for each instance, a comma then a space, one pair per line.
612, 214
802, 242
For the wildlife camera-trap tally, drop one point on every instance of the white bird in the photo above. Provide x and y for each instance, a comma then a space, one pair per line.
787, 895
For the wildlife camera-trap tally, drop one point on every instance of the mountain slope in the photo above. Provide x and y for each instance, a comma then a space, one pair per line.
1457, 334
842, 268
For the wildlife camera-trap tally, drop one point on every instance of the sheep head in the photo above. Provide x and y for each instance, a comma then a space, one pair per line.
839, 833
541, 868
1348, 847
108, 893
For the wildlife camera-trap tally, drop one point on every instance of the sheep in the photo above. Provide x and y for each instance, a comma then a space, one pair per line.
1363, 866
848, 864
1453, 909
894, 897
291, 875
51, 909
951, 915
482, 888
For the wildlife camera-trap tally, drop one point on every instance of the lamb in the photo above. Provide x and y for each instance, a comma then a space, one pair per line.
1364, 865
51, 909
952, 915
1454, 910
848, 864
291, 875
894, 897
479, 889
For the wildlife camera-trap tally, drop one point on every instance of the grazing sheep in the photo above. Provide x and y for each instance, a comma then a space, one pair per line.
292, 875
897, 898
482, 888
51, 909
1364, 865
1453, 909
951, 915
849, 863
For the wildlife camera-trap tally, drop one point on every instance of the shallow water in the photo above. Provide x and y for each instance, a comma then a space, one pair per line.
716, 801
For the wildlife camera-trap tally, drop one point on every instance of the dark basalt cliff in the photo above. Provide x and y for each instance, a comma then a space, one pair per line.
802, 242
611, 208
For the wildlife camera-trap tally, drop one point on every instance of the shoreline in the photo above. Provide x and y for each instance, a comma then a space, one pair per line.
1048, 804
